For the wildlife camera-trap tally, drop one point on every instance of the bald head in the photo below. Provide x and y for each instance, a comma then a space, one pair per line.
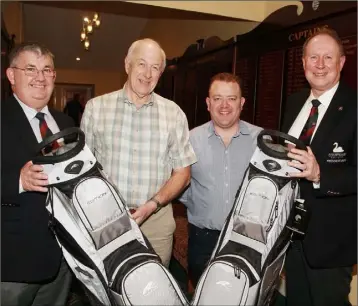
143, 44
144, 64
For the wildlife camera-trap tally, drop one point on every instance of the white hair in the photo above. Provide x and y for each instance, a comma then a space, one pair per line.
140, 42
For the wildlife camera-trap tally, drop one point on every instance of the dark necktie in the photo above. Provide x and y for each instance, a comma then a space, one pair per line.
311, 122
46, 132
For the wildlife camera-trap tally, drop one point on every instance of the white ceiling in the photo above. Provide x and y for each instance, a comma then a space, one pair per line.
59, 29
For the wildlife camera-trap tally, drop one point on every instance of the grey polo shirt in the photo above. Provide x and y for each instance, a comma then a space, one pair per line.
218, 173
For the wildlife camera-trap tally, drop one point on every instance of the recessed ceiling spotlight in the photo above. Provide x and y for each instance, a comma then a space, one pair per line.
78, 59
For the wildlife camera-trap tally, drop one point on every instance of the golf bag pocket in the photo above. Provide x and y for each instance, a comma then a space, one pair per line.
144, 281
97, 205
258, 210
231, 275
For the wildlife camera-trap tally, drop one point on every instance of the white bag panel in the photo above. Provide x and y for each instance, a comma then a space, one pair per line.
254, 244
151, 284
257, 160
105, 215
285, 203
252, 295
65, 210
87, 277
124, 262
56, 172
65, 213
96, 203
220, 286
258, 209
246, 262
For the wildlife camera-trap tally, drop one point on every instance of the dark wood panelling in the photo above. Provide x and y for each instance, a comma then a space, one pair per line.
268, 61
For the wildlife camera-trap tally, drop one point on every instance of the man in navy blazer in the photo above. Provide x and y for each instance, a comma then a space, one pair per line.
319, 266
33, 271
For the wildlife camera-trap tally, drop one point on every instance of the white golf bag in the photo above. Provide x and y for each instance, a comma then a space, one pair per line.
101, 243
248, 258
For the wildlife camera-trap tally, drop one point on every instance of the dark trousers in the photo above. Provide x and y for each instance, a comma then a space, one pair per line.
200, 247
314, 287
52, 293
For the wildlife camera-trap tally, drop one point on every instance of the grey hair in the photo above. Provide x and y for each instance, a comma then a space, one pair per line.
33, 47
139, 42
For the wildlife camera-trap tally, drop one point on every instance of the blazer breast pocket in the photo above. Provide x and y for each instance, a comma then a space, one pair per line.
338, 153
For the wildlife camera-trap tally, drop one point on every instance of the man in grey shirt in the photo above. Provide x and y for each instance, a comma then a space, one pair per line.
223, 147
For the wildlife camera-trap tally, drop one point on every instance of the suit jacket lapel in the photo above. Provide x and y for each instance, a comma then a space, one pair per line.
60, 123
20, 124
295, 108
333, 115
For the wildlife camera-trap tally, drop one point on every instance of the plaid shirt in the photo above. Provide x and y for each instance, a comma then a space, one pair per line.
138, 148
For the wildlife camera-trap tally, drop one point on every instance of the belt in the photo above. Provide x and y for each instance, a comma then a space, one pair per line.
204, 230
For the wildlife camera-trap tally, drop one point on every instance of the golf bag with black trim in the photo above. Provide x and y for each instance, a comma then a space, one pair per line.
101, 243
249, 255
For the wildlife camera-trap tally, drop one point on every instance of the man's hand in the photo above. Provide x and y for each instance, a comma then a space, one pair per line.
143, 212
307, 163
32, 177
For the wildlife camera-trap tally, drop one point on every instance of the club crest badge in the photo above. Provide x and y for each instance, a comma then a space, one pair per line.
337, 155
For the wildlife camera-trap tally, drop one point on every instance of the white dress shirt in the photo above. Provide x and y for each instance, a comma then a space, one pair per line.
302, 117
35, 124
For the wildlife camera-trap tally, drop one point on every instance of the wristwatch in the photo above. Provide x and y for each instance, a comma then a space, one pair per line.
159, 205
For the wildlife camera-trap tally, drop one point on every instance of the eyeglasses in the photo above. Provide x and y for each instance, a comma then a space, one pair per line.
33, 72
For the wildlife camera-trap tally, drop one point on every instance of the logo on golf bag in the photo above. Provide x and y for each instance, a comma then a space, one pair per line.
75, 167
271, 165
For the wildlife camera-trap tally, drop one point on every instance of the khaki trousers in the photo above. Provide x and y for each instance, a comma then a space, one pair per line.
159, 229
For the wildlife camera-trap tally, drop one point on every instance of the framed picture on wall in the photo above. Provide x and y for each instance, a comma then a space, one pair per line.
65, 92
71, 99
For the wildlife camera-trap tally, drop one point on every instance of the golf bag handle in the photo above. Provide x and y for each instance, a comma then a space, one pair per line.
41, 159
281, 155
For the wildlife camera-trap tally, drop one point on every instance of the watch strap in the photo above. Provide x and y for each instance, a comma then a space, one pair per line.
159, 205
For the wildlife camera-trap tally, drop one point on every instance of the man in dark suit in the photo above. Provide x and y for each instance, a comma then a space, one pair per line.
33, 271
319, 266
74, 109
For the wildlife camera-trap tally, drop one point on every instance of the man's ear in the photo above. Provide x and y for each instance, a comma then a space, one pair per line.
126, 64
242, 101
342, 60
208, 103
10, 75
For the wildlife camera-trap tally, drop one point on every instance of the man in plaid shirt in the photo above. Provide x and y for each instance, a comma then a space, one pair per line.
142, 141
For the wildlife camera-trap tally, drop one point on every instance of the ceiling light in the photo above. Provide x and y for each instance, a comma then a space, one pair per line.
78, 59
87, 44
88, 26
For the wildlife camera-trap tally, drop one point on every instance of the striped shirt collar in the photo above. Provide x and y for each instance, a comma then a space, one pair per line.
125, 98
242, 129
